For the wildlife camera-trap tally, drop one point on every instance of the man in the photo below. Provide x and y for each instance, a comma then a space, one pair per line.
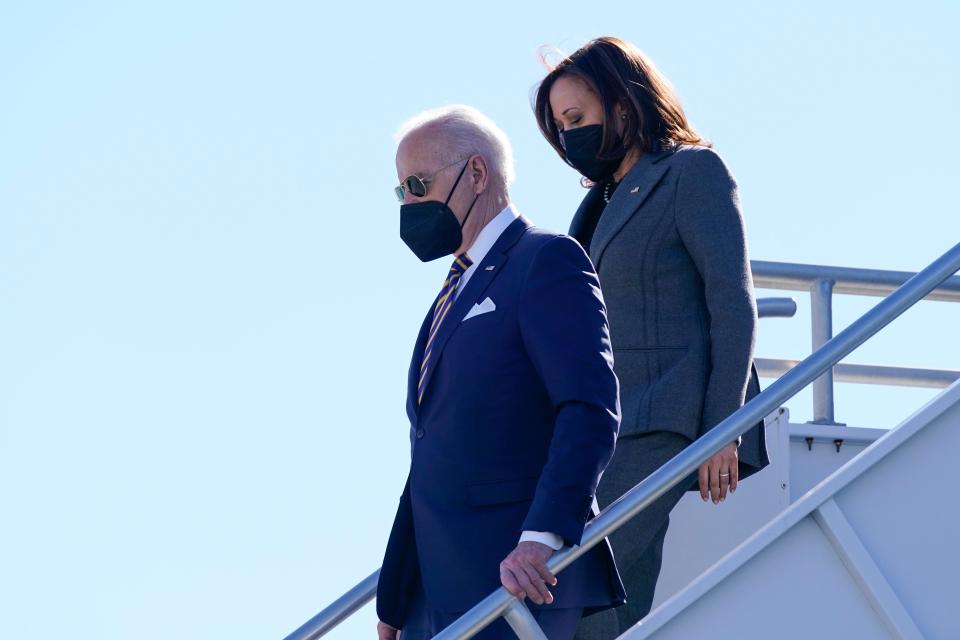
512, 399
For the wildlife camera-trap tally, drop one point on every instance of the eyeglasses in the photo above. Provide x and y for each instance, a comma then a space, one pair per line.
416, 185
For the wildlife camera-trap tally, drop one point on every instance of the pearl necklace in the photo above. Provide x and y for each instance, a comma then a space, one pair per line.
606, 192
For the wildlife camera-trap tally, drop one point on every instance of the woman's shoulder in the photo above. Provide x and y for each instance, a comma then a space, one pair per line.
692, 153
699, 160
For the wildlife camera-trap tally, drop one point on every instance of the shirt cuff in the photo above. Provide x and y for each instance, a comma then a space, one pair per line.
552, 540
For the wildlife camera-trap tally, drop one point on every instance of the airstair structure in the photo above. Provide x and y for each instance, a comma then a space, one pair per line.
849, 533
871, 551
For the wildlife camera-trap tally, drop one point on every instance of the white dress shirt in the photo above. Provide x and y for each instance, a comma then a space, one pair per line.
477, 252
485, 240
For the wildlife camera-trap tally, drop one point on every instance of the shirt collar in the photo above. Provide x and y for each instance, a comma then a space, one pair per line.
491, 233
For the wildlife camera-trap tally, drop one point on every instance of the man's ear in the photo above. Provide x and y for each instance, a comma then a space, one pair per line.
479, 174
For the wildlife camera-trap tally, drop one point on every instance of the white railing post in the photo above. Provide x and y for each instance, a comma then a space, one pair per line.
821, 319
522, 622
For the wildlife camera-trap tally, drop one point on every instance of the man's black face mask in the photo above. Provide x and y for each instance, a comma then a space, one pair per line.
430, 228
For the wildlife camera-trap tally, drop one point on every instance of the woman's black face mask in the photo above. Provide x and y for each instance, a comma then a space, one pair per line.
581, 147
430, 228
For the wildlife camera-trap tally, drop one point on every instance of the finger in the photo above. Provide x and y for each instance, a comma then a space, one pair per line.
704, 482
538, 584
724, 483
715, 483
734, 470
510, 583
545, 574
527, 585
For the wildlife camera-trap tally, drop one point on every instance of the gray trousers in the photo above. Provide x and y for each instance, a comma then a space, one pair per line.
638, 545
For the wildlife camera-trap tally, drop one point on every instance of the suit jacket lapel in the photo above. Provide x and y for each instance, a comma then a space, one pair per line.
583, 212
413, 375
633, 190
474, 289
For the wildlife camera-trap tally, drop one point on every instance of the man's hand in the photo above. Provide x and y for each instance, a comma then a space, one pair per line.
524, 572
719, 473
386, 632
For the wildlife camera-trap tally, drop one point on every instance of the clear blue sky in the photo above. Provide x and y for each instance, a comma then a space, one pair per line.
207, 312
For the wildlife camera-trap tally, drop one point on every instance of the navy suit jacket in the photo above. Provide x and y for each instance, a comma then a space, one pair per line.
519, 417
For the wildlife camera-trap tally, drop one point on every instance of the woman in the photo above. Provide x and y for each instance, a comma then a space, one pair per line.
662, 224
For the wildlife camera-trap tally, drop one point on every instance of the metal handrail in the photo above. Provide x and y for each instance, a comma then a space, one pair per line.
791, 276
365, 591
344, 607
776, 307
823, 282
846, 372
687, 461
868, 374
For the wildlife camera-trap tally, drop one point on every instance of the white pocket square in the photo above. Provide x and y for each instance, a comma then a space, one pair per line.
480, 308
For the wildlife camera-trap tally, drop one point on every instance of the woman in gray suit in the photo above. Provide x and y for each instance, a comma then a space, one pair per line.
662, 224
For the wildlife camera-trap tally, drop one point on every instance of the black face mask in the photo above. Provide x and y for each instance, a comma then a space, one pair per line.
582, 146
430, 228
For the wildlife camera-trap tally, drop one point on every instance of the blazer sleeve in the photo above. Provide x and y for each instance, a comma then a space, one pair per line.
563, 323
400, 571
711, 227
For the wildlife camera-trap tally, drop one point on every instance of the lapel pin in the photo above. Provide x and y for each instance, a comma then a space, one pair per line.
490, 268
635, 189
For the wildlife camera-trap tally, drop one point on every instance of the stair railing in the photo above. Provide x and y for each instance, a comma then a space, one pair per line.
501, 603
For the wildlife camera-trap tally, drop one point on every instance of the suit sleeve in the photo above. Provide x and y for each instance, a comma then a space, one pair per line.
711, 227
400, 571
563, 322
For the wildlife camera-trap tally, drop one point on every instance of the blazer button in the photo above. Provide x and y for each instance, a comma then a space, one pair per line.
420, 434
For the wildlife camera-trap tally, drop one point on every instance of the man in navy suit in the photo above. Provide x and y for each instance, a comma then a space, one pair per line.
512, 399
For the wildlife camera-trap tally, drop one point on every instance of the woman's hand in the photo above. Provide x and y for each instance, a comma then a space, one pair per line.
719, 474
386, 632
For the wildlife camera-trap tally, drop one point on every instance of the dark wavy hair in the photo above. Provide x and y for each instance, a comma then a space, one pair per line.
620, 74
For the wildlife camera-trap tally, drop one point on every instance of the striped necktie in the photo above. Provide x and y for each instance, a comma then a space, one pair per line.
440, 311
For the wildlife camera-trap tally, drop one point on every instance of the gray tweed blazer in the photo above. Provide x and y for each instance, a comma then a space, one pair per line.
670, 250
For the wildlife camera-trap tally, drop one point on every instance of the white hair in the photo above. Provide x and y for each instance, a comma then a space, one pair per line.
462, 131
